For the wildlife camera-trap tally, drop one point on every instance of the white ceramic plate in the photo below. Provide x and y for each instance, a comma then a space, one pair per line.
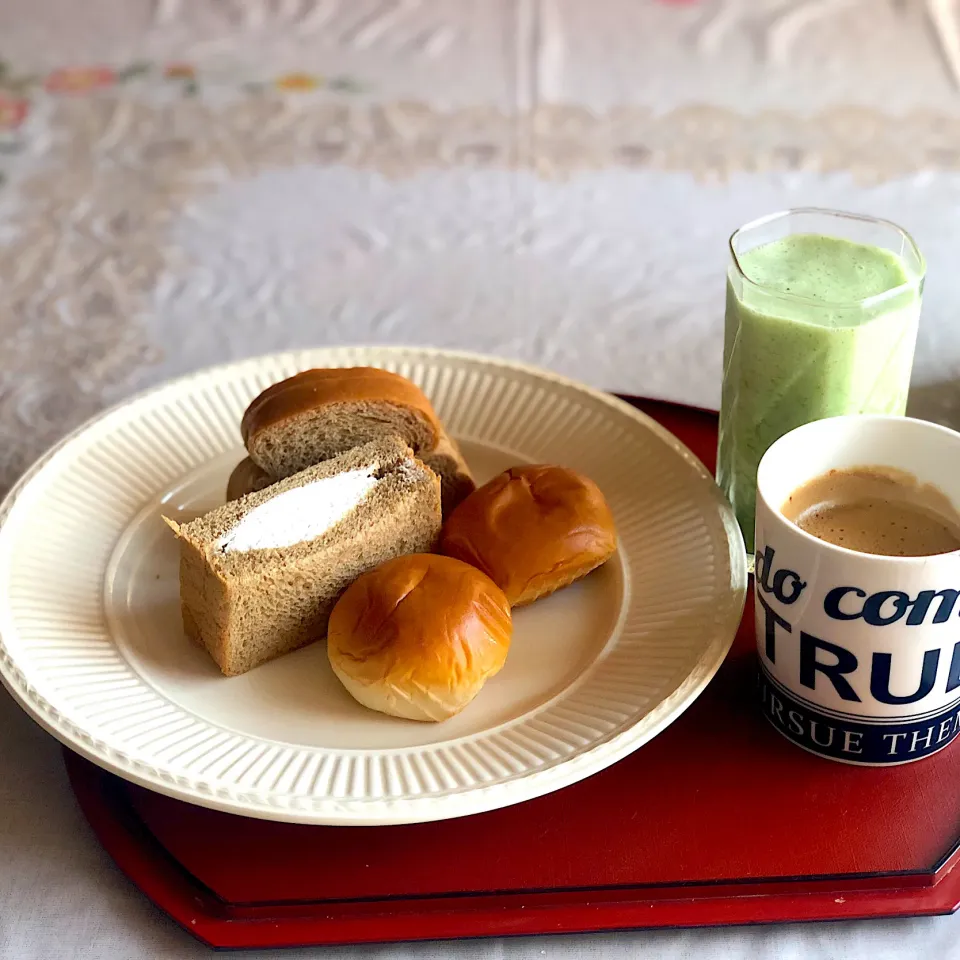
92, 647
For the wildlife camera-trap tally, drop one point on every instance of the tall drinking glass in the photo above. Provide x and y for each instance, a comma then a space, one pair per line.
821, 320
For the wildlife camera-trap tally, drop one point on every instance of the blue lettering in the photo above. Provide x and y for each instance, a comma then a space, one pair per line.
786, 586
953, 677
880, 678
831, 603
771, 620
948, 600
762, 564
809, 665
873, 608
796, 585
863, 741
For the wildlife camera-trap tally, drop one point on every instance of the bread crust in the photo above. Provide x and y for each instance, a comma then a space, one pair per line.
312, 389
456, 480
246, 478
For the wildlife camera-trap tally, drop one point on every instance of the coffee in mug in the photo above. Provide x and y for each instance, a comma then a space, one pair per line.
859, 640
878, 510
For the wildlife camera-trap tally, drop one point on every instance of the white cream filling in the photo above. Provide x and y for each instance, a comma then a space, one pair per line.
300, 514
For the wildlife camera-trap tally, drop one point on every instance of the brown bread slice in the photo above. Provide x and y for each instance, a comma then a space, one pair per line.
247, 607
456, 480
246, 478
318, 414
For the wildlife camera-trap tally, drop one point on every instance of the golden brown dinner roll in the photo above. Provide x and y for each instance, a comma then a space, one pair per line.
246, 478
419, 636
318, 414
532, 530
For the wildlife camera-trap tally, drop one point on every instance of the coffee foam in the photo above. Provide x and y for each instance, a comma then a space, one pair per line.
876, 510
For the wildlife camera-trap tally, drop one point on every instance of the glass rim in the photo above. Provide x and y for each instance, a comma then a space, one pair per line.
890, 294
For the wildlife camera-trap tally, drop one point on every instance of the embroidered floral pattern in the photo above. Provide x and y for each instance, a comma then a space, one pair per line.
13, 111
19, 93
79, 79
179, 71
298, 82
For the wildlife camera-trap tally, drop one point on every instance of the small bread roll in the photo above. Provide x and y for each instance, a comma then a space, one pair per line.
532, 530
246, 478
419, 636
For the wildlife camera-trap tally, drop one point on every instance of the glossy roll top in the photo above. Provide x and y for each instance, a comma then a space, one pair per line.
419, 636
532, 530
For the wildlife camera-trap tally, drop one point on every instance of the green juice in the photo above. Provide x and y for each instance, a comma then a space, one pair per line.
815, 327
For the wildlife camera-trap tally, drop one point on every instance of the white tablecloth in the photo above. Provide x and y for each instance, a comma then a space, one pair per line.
186, 182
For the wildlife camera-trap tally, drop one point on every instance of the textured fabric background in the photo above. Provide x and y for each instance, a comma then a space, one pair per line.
188, 181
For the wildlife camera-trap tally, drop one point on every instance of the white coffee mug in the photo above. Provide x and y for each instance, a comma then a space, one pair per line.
859, 653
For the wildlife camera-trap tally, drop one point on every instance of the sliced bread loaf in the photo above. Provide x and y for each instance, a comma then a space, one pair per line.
246, 478
318, 414
456, 480
260, 575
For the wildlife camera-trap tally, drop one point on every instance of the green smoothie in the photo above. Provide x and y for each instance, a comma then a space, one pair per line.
803, 340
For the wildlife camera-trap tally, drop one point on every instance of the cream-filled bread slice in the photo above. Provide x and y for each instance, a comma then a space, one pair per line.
260, 575
445, 460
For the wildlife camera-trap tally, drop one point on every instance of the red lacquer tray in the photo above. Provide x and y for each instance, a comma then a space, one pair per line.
718, 820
